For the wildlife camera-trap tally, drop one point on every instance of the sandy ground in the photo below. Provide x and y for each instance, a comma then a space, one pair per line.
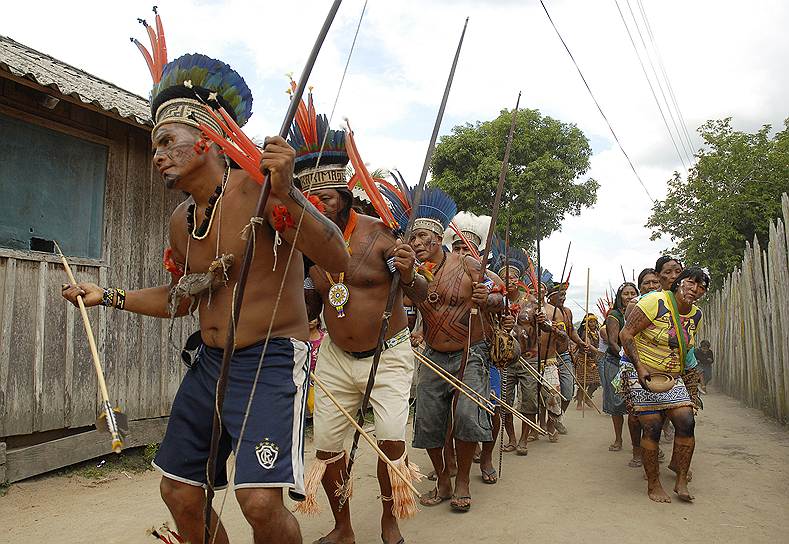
574, 491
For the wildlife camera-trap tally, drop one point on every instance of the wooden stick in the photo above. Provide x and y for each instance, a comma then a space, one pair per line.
117, 441
429, 364
586, 340
539, 377
363, 434
449, 379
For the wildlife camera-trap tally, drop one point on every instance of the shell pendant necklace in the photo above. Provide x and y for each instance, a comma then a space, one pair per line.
338, 291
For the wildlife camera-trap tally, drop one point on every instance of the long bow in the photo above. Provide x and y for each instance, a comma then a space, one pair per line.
489, 240
246, 263
396, 276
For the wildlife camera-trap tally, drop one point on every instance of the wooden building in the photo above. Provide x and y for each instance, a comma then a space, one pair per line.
75, 166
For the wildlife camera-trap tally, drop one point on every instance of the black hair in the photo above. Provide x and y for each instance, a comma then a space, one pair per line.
704, 343
663, 261
695, 273
643, 273
618, 298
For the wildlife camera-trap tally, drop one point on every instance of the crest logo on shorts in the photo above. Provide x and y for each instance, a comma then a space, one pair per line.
267, 452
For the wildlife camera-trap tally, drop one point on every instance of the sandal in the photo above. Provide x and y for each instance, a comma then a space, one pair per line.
506, 448
522, 450
615, 447
489, 476
635, 463
553, 437
457, 506
433, 498
477, 457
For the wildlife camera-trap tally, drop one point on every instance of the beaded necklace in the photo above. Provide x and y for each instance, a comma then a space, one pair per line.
201, 232
432, 296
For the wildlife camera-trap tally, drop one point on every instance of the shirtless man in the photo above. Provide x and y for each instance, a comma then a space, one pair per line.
346, 354
447, 315
562, 317
271, 451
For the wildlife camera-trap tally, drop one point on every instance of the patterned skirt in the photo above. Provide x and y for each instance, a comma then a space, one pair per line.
640, 400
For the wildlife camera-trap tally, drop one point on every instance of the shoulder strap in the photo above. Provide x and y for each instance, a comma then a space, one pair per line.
674, 311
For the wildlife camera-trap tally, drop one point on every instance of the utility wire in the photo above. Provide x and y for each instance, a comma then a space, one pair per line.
599, 108
651, 88
688, 152
665, 74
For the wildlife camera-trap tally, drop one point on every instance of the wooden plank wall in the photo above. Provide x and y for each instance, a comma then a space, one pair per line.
747, 324
46, 375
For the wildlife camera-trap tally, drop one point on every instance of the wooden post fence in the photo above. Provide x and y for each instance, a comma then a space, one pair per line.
747, 324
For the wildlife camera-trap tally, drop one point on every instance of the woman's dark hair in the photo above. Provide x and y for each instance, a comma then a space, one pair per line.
696, 274
705, 344
663, 261
618, 304
644, 273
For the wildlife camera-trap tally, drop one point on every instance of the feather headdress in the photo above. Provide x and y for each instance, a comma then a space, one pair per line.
182, 88
517, 259
435, 211
472, 227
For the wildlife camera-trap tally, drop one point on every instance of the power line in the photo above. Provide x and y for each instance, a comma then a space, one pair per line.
651, 88
599, 108
660, 85
665, 74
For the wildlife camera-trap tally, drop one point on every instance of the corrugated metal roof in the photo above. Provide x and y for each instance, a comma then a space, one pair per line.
47, 71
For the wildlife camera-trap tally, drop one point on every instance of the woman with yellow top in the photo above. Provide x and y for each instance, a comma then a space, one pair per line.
656, 338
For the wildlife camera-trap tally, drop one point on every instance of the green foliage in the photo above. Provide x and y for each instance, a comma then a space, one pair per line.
729, 196
547, 156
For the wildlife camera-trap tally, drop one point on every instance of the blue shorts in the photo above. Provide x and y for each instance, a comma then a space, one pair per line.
495, 384
272, 448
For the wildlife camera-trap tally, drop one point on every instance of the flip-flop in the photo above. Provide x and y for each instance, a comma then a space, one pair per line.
433, 498
506, 448
324, 540
477, 457
489, 476
522, 450
614, 447
401, 541
457, 507
635, 463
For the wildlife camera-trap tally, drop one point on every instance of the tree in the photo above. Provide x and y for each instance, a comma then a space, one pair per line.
730, 195
547, 157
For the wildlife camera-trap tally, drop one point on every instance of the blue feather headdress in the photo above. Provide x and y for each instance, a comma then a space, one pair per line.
193, 72
517, 260
436, 209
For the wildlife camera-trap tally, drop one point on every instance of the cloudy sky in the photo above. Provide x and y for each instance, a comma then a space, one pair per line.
723, 59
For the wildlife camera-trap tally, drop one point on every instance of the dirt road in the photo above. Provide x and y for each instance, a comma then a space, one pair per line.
575, 491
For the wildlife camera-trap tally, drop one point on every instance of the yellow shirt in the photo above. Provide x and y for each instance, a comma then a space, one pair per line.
657, 345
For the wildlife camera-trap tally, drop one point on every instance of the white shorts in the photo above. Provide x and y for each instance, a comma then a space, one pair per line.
346, 378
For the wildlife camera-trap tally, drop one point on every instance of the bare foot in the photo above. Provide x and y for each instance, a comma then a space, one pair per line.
390, 532
338, 536
681, 489
674, 470
579, 406
657, 493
